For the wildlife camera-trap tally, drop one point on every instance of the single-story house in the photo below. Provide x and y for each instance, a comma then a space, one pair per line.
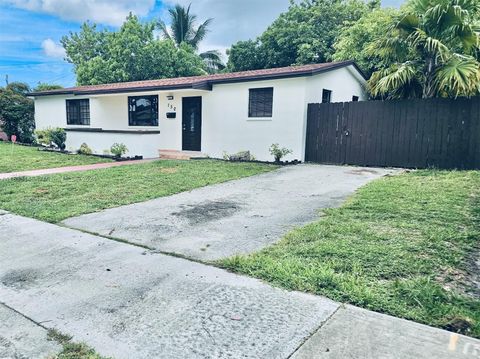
212, 114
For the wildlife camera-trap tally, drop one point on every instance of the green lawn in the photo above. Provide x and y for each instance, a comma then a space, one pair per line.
56, 197
23, 158
402, 245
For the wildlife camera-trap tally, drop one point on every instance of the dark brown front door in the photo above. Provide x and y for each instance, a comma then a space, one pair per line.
192, 123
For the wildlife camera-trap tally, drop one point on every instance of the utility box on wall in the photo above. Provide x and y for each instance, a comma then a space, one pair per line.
171, 115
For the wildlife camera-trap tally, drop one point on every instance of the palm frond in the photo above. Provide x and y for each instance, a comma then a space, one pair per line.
163, 28
213, 60
200, 33
397, 81
459, 76
408, 23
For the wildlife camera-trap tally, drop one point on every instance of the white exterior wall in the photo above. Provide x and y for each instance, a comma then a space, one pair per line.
110, 112
226, 126
344, 83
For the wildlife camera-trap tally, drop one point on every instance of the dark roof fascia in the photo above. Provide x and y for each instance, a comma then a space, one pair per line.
35, 94
201, 86
290, 75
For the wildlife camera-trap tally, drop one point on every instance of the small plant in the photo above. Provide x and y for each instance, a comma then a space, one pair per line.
84, 149
42, 137
58, 136
278, 153
118, 149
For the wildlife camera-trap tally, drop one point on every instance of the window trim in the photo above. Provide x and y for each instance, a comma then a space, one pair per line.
266, 115
156, 120
329, 92
78, 112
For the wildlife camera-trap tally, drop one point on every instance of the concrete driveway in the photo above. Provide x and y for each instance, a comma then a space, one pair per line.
231, 218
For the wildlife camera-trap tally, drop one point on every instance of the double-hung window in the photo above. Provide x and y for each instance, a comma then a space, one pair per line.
260, 102
143, 110
78, 112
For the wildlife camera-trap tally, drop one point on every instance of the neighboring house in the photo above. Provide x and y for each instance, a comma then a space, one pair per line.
211, 114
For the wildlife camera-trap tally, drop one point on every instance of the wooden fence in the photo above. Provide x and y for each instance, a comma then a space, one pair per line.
442, 133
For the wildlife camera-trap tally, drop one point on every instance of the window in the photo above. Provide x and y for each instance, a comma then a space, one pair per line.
260, 102
78, 112
354, 98
326, 96
143, 110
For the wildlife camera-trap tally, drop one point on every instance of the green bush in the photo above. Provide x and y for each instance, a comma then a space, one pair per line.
17, 112
58, 137
84, 149
118, 149
49, 135
42, 137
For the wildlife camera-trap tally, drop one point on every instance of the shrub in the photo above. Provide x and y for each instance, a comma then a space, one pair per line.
58, 137
278, 153
118, 149
84, 149
42, 137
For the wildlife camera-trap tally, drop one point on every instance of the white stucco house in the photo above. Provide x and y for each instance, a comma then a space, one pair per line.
211, 114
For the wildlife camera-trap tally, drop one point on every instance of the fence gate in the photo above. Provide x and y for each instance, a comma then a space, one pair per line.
421, 133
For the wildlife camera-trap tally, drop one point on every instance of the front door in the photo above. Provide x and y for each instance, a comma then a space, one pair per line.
191, 123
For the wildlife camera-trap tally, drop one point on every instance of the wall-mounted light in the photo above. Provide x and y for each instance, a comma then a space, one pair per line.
170, 97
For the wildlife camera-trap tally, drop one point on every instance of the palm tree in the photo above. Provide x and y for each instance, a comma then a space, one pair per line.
183, 30
432, 48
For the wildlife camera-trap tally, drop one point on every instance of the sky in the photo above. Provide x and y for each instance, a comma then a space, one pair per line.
30, 30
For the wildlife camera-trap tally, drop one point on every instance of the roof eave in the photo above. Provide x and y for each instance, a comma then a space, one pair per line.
206, 85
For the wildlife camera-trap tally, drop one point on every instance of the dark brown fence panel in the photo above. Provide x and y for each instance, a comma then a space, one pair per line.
442, 133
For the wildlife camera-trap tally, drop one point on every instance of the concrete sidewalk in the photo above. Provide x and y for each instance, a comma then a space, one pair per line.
130, 303
49, 171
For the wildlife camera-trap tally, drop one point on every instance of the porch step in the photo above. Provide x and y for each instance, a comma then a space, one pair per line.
180, 155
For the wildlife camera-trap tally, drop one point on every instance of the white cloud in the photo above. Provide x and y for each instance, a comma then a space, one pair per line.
100, 11
233, 20
52, 49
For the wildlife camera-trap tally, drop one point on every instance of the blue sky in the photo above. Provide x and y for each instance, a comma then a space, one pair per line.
30, 30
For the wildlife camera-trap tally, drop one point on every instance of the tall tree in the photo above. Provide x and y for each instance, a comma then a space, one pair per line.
130, 54
17, 112
304, 34
183, 29
432, 47
357, 39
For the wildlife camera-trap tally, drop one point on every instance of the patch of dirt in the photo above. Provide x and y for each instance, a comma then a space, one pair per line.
208, 211
362, 171
41, 191
169, 170
465, 282
473, 274
19, 279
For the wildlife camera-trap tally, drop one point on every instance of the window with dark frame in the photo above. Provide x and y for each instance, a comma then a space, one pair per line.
143, 110
355, 98
326, 96
260, 103
78, 112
